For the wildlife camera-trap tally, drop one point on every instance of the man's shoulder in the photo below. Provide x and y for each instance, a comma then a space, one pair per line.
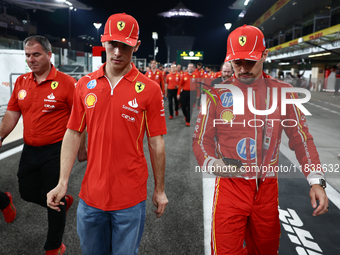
65, 77
277, 82
146, 81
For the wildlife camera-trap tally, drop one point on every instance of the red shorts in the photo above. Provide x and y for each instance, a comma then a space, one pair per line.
243, 214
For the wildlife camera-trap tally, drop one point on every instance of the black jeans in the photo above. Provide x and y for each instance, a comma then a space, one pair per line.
172, 95
38, 173
187, 98
4, 200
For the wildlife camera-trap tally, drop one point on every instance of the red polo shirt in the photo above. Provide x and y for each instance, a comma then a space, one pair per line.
172, 79
188, 82
116, 120
45, 107
156, 76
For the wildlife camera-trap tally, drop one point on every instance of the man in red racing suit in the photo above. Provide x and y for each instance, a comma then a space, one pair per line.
245, 207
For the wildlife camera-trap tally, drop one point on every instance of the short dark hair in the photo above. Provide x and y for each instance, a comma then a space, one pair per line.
43, 41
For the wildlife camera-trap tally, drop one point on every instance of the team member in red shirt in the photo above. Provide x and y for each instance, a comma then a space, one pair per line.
179, 69
187, 92
44, 98
171, 87
118, 105
199, 70
156, 74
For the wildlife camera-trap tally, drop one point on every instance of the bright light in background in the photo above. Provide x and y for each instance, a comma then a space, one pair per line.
227, 25
97, 25
154, 35
246, 2
241, 15
63, 40
319, 55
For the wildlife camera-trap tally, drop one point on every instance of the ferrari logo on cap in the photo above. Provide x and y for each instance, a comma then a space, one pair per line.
54, 84
120, 25
242, 40
139, 87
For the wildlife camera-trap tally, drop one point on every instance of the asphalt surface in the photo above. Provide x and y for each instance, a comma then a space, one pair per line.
181, 229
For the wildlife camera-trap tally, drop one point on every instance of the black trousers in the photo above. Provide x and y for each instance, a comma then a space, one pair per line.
38, 173
187, 98
172, 96
4, 200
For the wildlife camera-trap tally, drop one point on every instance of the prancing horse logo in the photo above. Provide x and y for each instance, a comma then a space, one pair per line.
139, 87
120, 25
242, 40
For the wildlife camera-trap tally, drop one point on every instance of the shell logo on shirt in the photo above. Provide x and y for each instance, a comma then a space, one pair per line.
54, 84
185, 78
90, 100
227, 115
22, 94
120, 25
139, 86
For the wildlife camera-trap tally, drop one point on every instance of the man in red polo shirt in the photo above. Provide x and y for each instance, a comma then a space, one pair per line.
44, 98
118, 105
156, 74
171, 87
187, 92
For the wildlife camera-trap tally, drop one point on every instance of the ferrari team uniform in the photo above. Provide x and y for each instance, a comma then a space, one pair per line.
46, 108
172, 79
156, 76
245, 208
116, 119
187, 91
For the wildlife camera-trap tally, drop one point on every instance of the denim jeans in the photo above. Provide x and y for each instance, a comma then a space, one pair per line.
110, 232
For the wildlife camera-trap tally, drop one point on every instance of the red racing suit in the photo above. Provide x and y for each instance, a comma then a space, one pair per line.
245, 208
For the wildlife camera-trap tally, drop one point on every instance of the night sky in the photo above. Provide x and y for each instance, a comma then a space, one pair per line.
209, 31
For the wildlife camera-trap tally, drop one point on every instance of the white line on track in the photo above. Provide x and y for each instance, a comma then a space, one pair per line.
324, 108
11, 152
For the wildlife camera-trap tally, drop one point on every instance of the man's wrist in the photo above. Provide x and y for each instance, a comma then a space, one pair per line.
319, 181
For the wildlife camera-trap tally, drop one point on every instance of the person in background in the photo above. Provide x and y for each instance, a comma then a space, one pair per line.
156, 75
187, 92
226, 73
337, 81
171, 87
179, 69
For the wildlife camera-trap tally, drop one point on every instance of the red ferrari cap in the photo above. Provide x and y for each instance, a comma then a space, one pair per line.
246, 42
121, 27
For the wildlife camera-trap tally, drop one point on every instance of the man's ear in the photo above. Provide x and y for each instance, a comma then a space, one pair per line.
137, 46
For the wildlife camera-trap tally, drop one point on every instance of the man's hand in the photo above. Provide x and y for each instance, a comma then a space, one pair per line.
54, 197
178, 97
160, 200
82, 154
221, 169
318, 193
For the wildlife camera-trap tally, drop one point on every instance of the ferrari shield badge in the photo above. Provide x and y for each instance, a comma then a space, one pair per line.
139, 87
54, 84
120, 25
242, 40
